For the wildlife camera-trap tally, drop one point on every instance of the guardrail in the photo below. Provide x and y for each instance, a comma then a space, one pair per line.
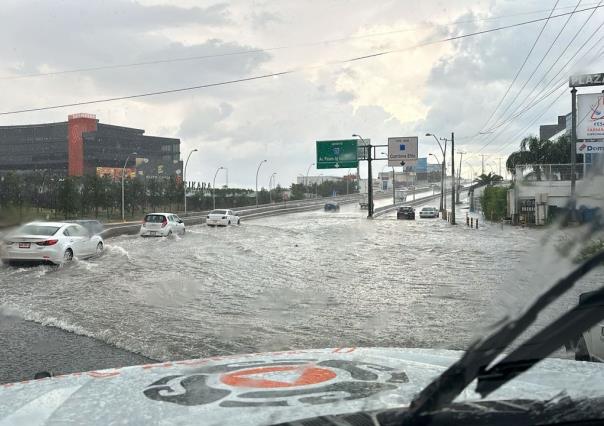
131, 228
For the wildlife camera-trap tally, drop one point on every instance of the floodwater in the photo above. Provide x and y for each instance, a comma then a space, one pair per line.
304, 280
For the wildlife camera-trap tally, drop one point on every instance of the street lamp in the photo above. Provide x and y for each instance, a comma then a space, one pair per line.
214, 188
123, 173
393, 187
317, 185
307, 171
443, 173
369, 178
184, 178
257, 171
270, 180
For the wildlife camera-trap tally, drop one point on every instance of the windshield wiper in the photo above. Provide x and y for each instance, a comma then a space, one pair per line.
444, 389
582, 317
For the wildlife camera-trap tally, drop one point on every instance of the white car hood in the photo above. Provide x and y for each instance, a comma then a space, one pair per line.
266, 388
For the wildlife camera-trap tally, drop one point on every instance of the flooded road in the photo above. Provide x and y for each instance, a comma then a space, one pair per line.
304, 280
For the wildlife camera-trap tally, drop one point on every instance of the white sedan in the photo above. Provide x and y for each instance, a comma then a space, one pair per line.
50, 242
162, 225
428, 212
222, 218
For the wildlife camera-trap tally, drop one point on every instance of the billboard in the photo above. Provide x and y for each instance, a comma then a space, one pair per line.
595, 147
115, 173
421, 166
402, 149
590, 116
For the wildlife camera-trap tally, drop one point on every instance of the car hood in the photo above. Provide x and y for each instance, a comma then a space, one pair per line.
266, 388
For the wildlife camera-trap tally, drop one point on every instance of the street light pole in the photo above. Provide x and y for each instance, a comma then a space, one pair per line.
453, 179
184, 179
270, 197
123, 173
257, 171
461, 153
369, 178
214, 188
443, 174
307, 171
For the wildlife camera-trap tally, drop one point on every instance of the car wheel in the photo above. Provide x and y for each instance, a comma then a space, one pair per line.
229, 222
238, 221
68, 255
99, 249
169, 234
581, 353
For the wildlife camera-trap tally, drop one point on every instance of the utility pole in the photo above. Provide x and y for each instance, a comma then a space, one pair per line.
461, 153
482, 170
393, 189
453, 178
573, 153
500, 167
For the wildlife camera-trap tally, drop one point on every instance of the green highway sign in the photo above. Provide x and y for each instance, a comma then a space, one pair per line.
337, 154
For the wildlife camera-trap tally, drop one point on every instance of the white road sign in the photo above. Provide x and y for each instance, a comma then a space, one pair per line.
590, 116
402, 149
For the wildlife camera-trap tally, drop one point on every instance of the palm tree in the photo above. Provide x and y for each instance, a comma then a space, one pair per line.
488, 180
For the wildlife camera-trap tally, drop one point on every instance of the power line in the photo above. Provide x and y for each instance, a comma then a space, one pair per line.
291, 71
251, 51
556, 61
521, 66
561, 83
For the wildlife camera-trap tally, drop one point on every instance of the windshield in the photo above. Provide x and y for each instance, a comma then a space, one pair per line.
385, 183
39, 230
155, 218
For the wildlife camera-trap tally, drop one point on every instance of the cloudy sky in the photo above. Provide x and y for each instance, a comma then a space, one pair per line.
440, 87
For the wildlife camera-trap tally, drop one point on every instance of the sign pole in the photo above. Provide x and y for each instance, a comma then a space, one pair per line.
452, 178
573, 153
369, 184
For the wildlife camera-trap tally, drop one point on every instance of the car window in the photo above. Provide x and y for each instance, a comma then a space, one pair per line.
154, 218
77, 231
66, 232
41, 230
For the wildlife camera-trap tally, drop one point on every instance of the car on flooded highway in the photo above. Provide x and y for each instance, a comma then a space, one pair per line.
405, 212
50, 242
428, 212
162, 225
222, 218
331, 207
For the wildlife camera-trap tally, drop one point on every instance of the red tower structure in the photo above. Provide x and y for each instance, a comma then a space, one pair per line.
76, 125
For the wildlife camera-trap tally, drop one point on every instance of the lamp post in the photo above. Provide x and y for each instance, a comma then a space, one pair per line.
461, 153
443, 174
123, 173
270, 197
214, 188
369, 178
184, 179
393, 187
257, 171
317, 185
307, 171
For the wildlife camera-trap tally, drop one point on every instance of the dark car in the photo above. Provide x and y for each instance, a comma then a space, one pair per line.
405, 212
332, 207
93, 226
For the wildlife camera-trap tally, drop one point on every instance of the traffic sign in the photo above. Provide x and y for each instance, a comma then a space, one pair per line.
337, 154
402, 149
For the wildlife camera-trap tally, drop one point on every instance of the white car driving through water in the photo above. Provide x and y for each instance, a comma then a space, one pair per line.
162, 225
222, 218
50, 242
428, 212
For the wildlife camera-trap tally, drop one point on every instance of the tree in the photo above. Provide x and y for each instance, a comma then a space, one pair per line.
536, 151
488, 180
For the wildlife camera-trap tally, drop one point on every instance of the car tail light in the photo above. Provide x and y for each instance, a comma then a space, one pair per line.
164, 223
47, 243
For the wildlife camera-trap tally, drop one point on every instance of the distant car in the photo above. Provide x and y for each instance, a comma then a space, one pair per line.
405, 212
332, 207
162, 225
93, 226
428, 212
222, 218
50, 242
